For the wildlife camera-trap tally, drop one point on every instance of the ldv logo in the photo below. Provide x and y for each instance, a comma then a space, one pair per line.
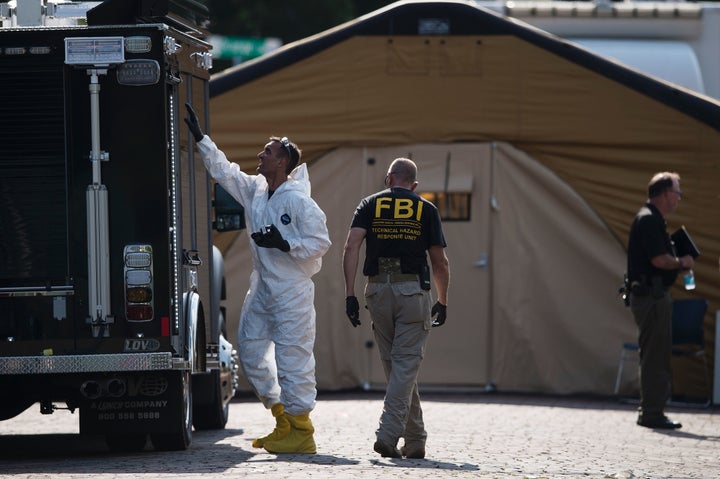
142, 345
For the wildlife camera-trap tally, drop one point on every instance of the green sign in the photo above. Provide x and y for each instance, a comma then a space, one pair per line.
241, 48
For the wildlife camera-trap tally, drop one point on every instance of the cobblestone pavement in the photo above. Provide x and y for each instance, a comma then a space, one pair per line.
470, 436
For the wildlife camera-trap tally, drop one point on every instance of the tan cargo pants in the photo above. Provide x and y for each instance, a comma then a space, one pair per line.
400, 312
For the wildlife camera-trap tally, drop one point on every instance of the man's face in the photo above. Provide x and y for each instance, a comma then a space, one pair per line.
270, 162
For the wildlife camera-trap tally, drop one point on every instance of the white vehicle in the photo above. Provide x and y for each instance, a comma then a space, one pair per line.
672, 41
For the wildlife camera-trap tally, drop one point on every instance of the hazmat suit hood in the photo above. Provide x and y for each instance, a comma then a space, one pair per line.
301, 177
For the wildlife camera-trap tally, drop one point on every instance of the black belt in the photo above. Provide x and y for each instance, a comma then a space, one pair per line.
392, 278
641, 288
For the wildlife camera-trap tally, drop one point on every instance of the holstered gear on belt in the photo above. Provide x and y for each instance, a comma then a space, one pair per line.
389, 271
651, 286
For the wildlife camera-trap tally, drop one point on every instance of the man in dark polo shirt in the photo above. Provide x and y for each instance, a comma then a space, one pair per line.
652, 266
400, 229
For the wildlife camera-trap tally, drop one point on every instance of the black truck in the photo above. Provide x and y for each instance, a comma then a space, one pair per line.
110, 287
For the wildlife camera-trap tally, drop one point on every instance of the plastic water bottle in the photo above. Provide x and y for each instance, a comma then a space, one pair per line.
689, 279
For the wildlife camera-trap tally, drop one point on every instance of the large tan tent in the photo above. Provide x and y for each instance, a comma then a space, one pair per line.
537, 151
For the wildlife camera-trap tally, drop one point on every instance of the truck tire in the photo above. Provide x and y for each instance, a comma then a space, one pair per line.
11, 407
213, 391
126, 442
181, 437
210, 413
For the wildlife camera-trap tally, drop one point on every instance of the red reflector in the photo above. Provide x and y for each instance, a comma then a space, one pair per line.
165, 326
139, 313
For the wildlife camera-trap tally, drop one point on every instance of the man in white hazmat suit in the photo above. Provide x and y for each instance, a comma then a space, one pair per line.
277, 323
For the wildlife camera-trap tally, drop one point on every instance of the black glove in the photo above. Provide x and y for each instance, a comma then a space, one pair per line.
352, 309
193, 123
269, 237
439, 310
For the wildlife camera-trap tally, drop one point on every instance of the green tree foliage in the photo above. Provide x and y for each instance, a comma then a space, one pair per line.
288, 20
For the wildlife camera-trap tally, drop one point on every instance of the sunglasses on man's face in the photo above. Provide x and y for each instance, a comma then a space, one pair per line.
286, 144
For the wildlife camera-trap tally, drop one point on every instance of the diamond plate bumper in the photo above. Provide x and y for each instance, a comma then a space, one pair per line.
88, 363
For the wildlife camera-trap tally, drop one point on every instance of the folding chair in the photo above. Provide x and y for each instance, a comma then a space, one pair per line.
687, 340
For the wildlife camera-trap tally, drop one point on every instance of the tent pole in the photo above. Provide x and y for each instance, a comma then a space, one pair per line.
490, 384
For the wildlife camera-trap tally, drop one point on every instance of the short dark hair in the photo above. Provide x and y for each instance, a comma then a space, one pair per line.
291, 152
661, 182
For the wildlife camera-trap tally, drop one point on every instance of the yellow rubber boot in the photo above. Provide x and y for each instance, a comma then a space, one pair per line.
299, 441
282, 427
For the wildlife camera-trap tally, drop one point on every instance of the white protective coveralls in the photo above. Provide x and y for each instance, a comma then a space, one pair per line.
276, 334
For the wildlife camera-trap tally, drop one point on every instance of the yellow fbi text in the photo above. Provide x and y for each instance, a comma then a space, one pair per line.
401, 208
397, 218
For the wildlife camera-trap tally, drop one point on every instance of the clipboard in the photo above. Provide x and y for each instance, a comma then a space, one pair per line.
684, 244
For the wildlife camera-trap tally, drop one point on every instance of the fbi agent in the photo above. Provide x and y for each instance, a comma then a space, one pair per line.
400, 229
